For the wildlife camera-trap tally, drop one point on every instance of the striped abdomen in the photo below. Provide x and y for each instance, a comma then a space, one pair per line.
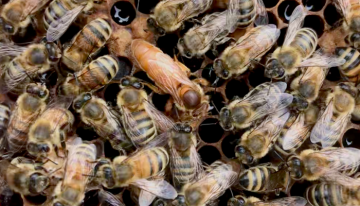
145, 128
351, 68
15, 74
183, 170
149, 162
255, 179
54, 11
4, 118
247, 13
326, 195
305, 42
97, 74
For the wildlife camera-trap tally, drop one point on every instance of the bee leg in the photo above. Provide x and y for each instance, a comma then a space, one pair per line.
41, 168
203, 82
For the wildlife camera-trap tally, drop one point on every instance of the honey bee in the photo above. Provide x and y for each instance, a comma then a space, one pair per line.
256, 142
171, 77
327, 164
236, 59
296, 130
220, 177
332, 123
298, 50
49, 131
141, 120
5, 113
86, 44
307, 86
263, 100
29, 106
24, 176
15, 16
351, 69
136, 170
185, 162
249, 10
332, 194
92, 77
29, 64
96, 113
211, 32
356, 112
108, 199
79, 165
240, 200
169, 15
350, 11
264, 178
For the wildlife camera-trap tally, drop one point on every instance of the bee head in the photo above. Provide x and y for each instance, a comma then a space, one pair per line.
53, 51
296, 167
81, 100
108, 176
7, 27
37, 90
225, 119
300, 103
183, 49
349, 88
38, 183
236, 201
154, 27
131, 82
274, 69
220, 69
244, 155
38, 149
194, 196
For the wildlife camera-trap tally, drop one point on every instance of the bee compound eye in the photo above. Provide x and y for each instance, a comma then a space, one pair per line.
150, 21
8, 28
125, 82
58, 204
87, 96
187, 129
161, 31
249, 159
240, 149
137, 85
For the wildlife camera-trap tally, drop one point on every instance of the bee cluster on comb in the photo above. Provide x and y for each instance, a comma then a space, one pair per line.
179, 102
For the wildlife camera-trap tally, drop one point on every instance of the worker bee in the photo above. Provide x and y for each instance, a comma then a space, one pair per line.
95, 112
350, 11
185, 162
86, 44
296, 130
169, 15
141, 120
240, 200
29, 106
298, 50
136, 170
29, 64
327, 164
171, 77
108, 199
263, 100
15, 16
236, 59
4, 118
264, 178
332, 123
24, 176
332, 194
255, 143
212, 31
351, 69
356, 112
49, 131
220, 177
92, 77
79, 165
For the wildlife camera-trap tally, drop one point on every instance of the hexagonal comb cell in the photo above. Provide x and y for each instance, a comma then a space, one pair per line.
351, 138
209, 154
315, 22
210, 131
314, 5
285, 9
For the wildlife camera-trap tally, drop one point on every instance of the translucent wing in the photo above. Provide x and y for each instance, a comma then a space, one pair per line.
232, 15
108, 199
319, 74
130, 125
11, 50
146, 198
58, 28
341, 159
296, 134
32, 6
158, 187
266, 89
162, 122
295, 24
262, 17
342, 179
344, 6
326, 131
319, 59
190, 9
285, 201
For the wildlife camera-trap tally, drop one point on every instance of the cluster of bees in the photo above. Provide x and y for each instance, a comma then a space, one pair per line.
42, 156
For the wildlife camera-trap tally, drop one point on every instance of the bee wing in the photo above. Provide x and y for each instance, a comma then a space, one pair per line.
296, 134
310, 72
188, 10
33, 6
58, 28
130, 125
162, 122
108, 199
158, 187
146, 198
267, 88
11, 49
342, 179
319, 59
341, 159
232, 14
262, 18
326, 131
285, 201
295, 23
344, 6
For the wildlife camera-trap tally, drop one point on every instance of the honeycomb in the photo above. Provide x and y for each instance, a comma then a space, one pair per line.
214, 143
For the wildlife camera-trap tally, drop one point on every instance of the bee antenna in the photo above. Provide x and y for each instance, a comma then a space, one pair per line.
257, 62
177, 114
51, 160
282, 159
215, 107
54, 171
232, 194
